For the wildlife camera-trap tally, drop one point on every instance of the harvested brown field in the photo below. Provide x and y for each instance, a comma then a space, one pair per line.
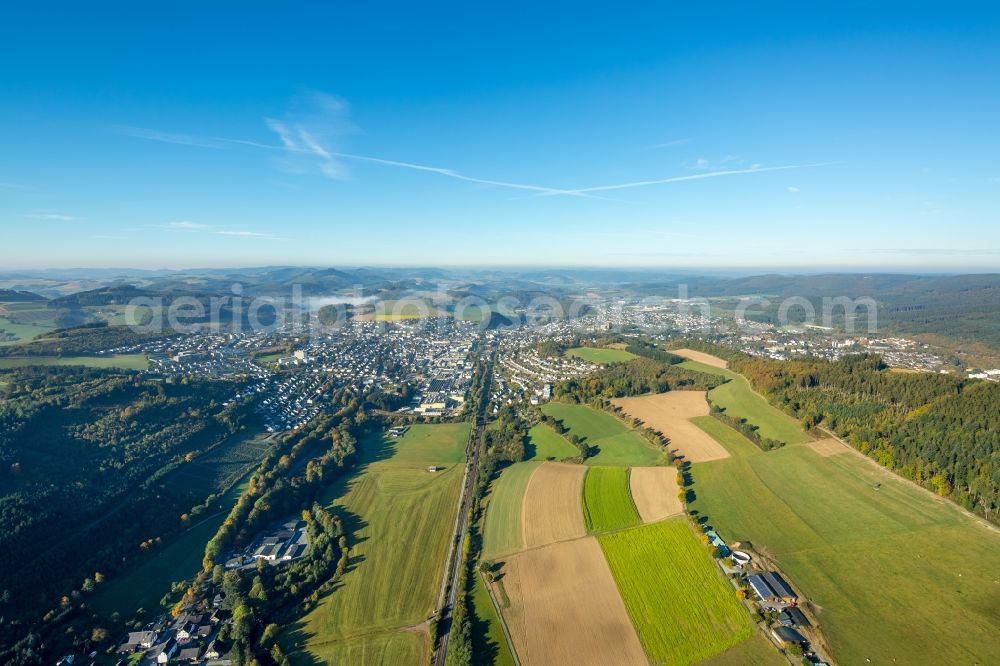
553, 506
701, 357
565, 607
654, 491
670, 413
828, 447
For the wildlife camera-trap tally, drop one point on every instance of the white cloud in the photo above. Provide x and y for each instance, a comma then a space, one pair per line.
186, 225
246, 234
756, 168
311, 132
793, 189
671, 144
51, 217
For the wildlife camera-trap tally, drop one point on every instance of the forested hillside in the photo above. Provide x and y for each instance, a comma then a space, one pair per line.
638, 376
940, 431
86, 476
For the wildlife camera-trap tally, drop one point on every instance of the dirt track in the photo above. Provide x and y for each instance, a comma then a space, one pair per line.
565, 607
552, 509
670, 413
654, 491
828, 447
701, 357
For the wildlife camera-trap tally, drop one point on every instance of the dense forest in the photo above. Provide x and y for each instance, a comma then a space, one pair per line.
87, 461
638, 376
940, 431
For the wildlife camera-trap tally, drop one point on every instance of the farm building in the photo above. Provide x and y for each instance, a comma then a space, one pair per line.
793, 617
780, 587
771, 587
786, 636
762, 589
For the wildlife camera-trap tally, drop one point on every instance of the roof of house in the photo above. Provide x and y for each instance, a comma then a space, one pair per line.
798, 617
778, 584
189, 653
760, 586
789, 635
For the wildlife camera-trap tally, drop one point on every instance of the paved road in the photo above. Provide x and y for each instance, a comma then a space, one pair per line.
456, 562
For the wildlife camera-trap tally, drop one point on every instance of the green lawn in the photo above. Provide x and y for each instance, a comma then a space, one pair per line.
401, 647
502, 527
616, 444
126, 361
545, 443
732, 440
488, 643
898, 574
24, 332
757, 650
739, 399
698, 366
607, 501
399, 519
601, 355
683, 609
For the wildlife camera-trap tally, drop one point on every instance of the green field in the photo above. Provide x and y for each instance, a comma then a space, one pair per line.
607, 501
126, 361
757, 650
600, 355
399, 519
739, 399
405, 309
401, 647
35, 319
683, 609
898, 575
544, 443
488, 643
616, 445
732, 440
502, 527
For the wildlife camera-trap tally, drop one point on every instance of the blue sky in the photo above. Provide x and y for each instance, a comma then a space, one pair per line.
777, 137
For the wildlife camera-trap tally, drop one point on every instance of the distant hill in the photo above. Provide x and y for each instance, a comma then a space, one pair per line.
13, 296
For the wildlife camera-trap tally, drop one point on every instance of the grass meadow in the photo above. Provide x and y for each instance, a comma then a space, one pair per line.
126, 361
607, 501
502, 526
399, 519
732, 440
488, 642
600, 355
544, 443
681, 607
616, 444
739, 399
897, 575
402, 647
